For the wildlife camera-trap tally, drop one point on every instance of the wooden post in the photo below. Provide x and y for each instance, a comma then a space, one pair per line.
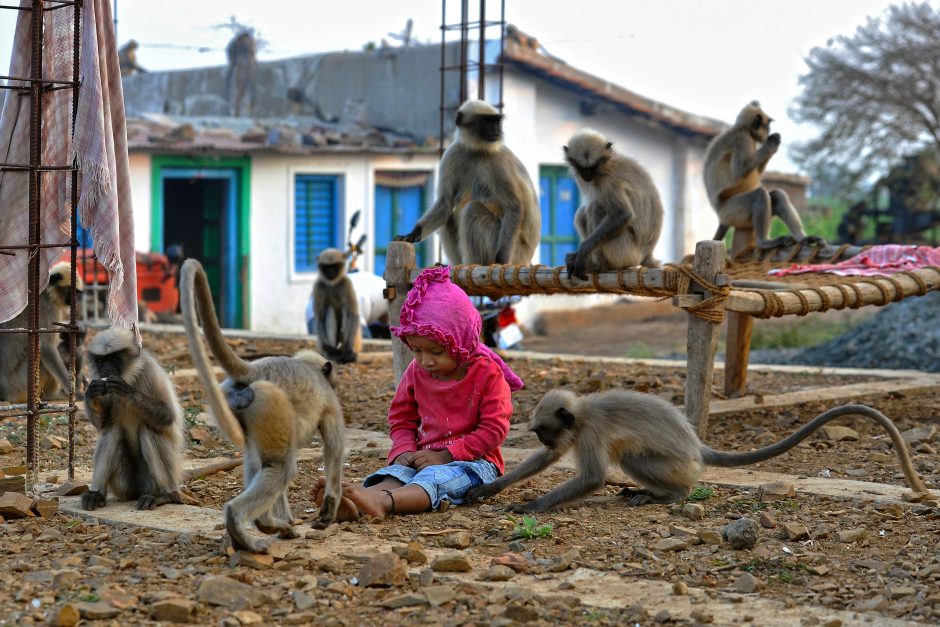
702, 341
399, 260
738, 335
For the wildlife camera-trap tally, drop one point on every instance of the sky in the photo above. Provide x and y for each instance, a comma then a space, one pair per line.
708, 58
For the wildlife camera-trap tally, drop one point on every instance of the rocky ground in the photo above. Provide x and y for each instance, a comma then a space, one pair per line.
802, 557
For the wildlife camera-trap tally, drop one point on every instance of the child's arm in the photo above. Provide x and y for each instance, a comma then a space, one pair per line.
493, 424
403, 419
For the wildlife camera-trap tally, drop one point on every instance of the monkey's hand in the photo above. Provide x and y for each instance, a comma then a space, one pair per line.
117, 385
96, 388
777, 242
576, 264
773, 141
524, 508
813, 240
92, 500
484, 491
414, 236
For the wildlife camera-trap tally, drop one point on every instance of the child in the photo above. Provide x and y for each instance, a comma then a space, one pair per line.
450, 413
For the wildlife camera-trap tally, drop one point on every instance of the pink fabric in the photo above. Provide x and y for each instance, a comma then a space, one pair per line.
881, 260
469, 418
440, 311
99, 146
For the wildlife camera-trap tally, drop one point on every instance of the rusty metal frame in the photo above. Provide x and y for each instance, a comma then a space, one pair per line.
35, 169
465, 64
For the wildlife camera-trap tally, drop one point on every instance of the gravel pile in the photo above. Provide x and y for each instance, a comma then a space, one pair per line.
905, 335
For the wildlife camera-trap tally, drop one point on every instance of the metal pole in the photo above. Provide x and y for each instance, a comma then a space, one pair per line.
481, 70
464, 40
440, 136
73, 199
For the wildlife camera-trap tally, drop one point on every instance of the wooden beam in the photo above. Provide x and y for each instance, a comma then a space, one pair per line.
738, 334
541, 280
400, 260
702, 341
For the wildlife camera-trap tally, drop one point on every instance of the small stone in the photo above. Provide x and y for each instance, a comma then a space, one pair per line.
321, 534
701, 615
900, 592
833, 622
818, 570
98, 611
385, 569
743, 533
919, 434
426, 578
6, 447
67, 616
15, 505
458, 540
709, 536
51, 442
663, 616
439, 595
71, 488
65, 579
330, 564
403, 600
247, 617
499, 573
748, 583
302, 600
795, 531
412, 552
767, 520
837, 433
520, 612
229, 593
873, 604
670, 544
693, 511
46, 508
451, 562
258, 561
13, 471
680, 588
174, 610
516, 546
850, 535
564, 561
777, 491
459, 520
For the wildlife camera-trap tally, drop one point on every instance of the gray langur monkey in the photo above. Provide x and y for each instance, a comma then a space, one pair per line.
733, 167
652, 441
127, 59
270, 407
336, 309
131, 401
486, 202
621, 214
54, 303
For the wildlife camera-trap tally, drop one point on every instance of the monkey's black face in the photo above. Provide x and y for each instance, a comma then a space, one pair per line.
330, 271
589, 172
110, 365
548, 436
486, 127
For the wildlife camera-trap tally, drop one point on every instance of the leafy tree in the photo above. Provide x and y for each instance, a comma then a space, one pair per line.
874, 95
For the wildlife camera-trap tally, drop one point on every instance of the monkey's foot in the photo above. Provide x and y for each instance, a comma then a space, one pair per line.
636, 498
240, 539
523, 508
347, 509
151, 501
92, 500
813, 240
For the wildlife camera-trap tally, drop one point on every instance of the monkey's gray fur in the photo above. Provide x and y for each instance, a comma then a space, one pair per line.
652, 441
270, 407
486, 202
621, 214
132, 403
53, 303
336, 309
733, 167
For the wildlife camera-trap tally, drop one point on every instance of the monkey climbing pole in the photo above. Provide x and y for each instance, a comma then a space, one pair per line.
703, 289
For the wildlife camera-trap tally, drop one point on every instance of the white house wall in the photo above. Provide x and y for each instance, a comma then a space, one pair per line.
139, 167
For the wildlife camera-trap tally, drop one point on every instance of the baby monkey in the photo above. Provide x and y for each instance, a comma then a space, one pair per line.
654, 443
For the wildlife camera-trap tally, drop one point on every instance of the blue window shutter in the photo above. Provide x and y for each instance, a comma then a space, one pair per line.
316, 211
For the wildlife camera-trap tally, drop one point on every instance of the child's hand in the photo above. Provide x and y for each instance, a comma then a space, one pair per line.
404, 459
423, 459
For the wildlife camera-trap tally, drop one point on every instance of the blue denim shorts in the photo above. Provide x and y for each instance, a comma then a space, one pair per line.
449, 482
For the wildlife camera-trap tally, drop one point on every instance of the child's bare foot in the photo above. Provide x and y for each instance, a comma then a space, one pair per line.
347, 509
368, 502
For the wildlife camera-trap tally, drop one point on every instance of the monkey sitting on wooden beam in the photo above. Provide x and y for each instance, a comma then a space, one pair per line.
652, 441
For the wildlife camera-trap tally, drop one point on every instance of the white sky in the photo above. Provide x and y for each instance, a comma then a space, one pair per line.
708, 58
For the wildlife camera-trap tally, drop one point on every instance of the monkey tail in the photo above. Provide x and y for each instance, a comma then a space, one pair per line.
711, 457
192, 277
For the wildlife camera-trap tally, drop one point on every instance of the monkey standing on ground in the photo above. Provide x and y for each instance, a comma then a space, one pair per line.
621, 214
54, 303
336, 309
733, 167
652, 441
132, 403
486, 202
271, 407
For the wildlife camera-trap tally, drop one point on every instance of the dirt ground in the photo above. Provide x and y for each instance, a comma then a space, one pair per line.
875, 560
